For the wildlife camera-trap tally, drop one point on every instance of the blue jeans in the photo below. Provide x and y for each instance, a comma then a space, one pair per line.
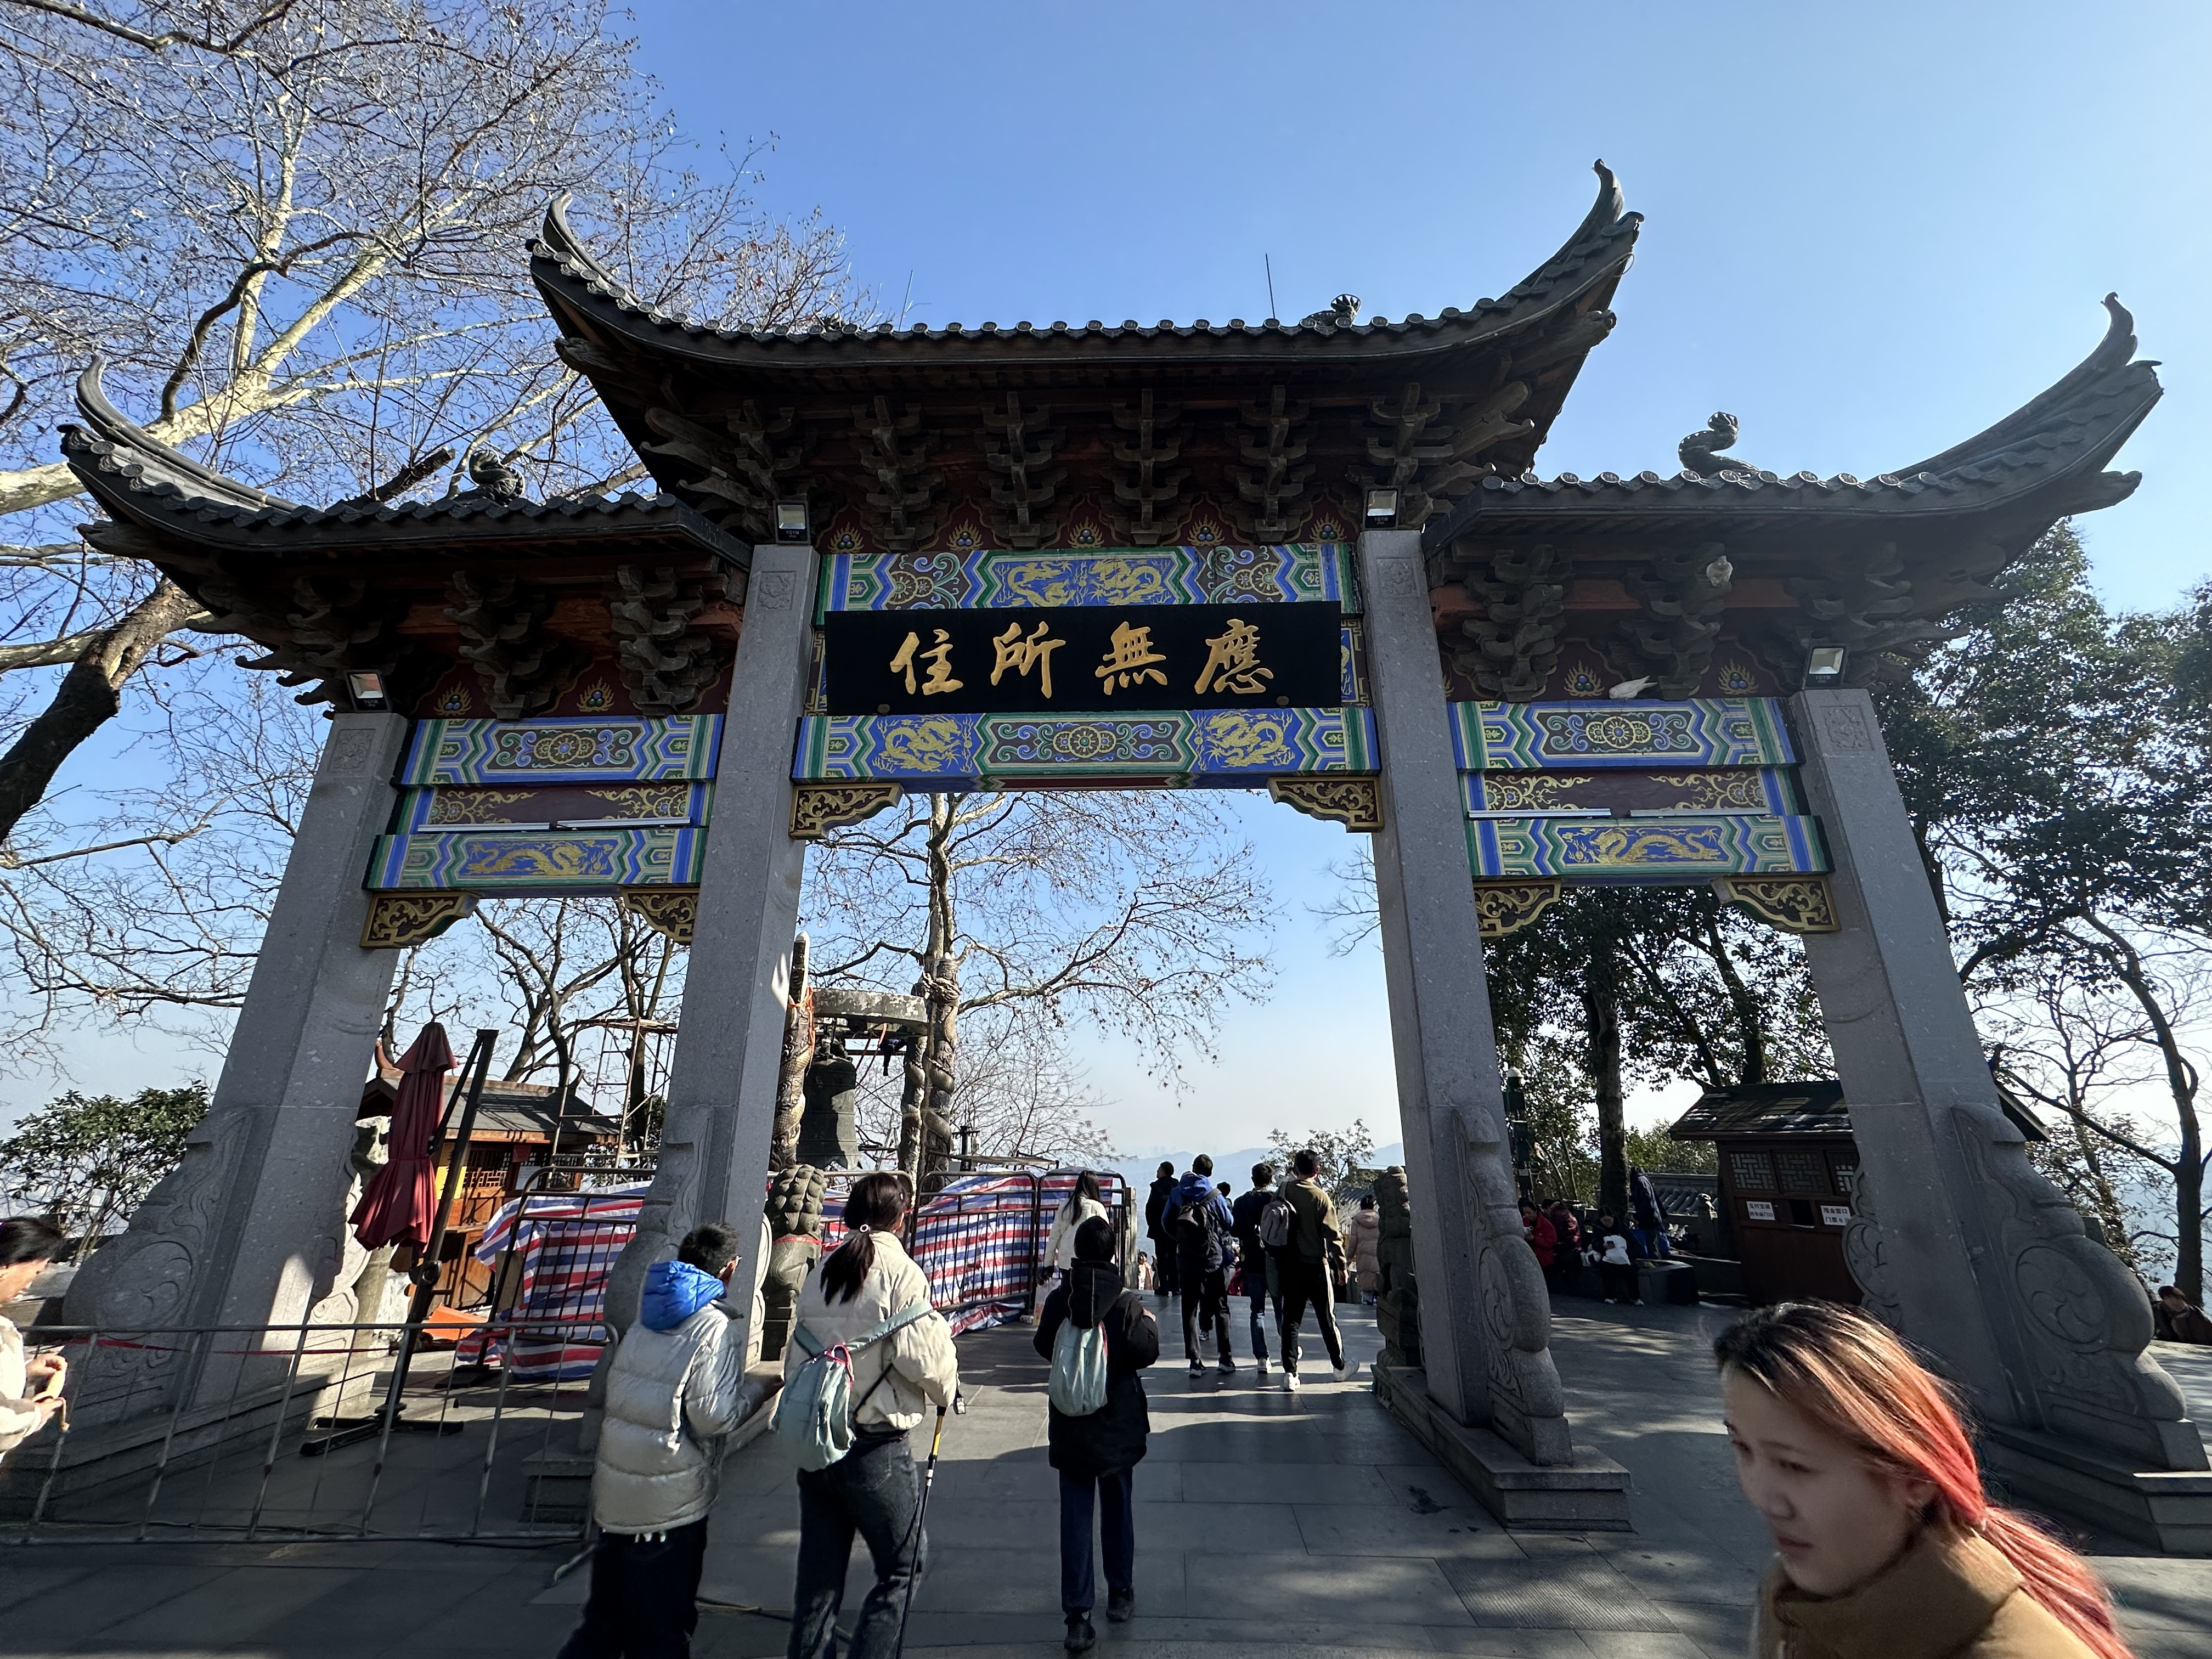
1118, 1517
872, 1490
1259, 1298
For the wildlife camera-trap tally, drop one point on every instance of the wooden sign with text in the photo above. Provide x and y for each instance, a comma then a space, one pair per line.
1084, 658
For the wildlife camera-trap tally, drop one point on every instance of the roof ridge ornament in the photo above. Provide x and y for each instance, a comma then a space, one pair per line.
1700, 452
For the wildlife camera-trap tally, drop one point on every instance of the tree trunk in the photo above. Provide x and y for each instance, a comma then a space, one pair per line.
797, 1055
1601, 1011
1749, 1025
2181, 1082
90, 695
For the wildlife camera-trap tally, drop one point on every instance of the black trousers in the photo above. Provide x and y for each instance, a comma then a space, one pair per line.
1163, 1266
1205, 1307
1304, 1281
875, 1492
644, 1599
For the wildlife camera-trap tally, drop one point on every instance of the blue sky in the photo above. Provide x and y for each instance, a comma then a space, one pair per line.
1870, 231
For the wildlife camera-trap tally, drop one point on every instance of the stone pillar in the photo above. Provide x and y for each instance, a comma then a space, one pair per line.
1486, 1314
1959, 1243
250, 1229
729, 1039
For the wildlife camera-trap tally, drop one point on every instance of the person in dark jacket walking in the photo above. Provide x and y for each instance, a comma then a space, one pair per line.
1099, 1454
1202, 1235
1650, 1216
1253, 1259
1163, 1255
1307, 1268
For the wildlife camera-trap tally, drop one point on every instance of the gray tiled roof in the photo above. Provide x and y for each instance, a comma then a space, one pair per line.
565, 269
134, 474
2064, 436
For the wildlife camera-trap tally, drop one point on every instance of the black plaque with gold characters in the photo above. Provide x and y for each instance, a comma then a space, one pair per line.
1084, 658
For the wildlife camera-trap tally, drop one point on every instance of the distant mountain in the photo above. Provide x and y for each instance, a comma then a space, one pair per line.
1235, 1168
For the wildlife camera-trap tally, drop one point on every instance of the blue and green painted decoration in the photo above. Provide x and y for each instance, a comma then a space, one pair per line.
607, 749
540, 861
1625, 850
1227, 748
986, 580
1587, 733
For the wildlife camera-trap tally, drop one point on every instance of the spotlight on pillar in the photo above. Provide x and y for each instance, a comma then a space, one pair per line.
368, 691
1824, 664
1382, 509
790, 521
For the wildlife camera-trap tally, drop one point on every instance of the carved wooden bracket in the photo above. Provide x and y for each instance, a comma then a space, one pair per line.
524, 667
818, 808
666, 663
1674, 638
1352, 801
673, 911
396, 921
1516, 641
895, 451
1507, 907
1796, 904
1023, 456
1270, 481
1152, 480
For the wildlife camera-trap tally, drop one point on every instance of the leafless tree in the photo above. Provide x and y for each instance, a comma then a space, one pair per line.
1136, 912
296, 230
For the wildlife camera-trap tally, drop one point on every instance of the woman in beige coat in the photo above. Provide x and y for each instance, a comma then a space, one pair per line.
1886, 1547
872, 1490
1362, 1242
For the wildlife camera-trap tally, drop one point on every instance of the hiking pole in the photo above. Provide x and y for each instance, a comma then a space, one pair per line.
928, 1479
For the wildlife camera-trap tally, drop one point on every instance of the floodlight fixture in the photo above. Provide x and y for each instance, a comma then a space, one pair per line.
1382, 509
791, 522
1824, 664
367, 689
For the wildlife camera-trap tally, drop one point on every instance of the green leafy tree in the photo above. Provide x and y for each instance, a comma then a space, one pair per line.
1653, 1148
1343, 1154
2052, 758
88, 1160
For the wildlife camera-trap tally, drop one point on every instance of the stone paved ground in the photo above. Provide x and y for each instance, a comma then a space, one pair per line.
1272, 1527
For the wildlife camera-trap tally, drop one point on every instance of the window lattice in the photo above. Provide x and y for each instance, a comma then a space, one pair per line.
1752, 1171
1801, 1172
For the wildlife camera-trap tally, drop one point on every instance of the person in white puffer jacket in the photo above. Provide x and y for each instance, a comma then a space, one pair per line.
675, 1387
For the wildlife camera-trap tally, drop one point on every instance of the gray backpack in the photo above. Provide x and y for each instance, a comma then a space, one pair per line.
1276, 1220
1079, 1370
813, 1419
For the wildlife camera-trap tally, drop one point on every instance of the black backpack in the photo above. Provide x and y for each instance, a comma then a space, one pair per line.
1190, 1226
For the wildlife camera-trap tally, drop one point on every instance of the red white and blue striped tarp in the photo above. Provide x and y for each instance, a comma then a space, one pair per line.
980, 1240
568, 1242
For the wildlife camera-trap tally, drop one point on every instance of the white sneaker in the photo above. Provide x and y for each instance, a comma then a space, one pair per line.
1347, 1371
1291, 1382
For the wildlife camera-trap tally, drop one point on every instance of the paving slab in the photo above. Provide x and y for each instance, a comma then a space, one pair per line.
1270, 1526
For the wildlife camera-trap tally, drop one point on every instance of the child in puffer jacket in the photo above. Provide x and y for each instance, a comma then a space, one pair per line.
675, 1387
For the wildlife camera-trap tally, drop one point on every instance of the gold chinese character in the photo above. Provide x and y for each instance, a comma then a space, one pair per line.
1232, 662
940, 659
1126, 663
1022, 654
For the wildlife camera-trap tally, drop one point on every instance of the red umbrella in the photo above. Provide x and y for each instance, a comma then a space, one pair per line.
401, 1202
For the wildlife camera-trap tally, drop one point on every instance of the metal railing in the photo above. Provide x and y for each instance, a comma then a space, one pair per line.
194, 1434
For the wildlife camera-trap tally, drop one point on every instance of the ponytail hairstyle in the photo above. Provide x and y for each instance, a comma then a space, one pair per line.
876, 1204
1854, 1379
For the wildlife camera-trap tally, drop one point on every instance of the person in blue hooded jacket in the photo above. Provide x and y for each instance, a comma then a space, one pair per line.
675, 1388
1200, 1230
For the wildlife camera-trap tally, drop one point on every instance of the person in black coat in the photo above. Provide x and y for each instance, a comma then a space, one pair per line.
1100, 1453
1164, 1252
